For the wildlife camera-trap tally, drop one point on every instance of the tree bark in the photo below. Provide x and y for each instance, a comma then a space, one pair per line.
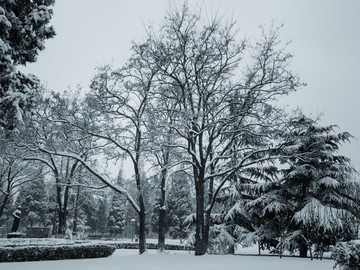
3, 204
141, 213
62, 221
303, 250
142, 227
162, 213
76, 210
201, 233
162, 229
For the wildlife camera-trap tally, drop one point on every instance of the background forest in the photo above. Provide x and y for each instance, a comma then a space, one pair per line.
194, 116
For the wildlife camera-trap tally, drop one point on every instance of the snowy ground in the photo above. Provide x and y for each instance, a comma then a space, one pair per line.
130, 260
176, 260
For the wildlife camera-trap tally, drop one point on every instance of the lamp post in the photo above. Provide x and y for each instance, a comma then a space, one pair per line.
132, 229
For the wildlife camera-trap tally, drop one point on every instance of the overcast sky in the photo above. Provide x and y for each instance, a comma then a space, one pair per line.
325, 36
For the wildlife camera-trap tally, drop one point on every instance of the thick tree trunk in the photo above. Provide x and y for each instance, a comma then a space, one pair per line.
201, 232
303, 250
162, 213
161, 236
62, 222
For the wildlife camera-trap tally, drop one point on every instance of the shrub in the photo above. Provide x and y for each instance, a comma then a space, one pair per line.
39, 253
347, 255
121, 245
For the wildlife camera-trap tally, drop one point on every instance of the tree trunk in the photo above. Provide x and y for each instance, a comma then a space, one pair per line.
162, 213
62, 222
54, 231
3, 204
303, 250
201, 233
76, 210
6, 197
141, 213
162, 231
142, 227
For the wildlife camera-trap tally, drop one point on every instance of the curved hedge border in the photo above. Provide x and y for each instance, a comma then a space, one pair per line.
39, 253
347, 255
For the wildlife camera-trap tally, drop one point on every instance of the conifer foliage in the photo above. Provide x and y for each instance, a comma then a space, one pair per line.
116, 219
307, 204
23, 30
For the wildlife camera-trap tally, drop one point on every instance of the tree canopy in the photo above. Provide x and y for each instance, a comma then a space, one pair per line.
23, 31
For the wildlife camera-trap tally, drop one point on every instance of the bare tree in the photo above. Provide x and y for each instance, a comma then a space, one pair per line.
224, 99
161, 115
14, 171
116, 105
47, 130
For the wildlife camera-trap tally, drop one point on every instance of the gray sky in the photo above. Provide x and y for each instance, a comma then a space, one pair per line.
325, 39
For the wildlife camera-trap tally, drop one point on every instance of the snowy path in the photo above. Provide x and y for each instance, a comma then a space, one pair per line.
129, 260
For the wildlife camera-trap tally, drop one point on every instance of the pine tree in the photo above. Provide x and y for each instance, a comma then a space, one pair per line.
307, 203
116, 218
34, 202
180, 206
101, 215
23, 30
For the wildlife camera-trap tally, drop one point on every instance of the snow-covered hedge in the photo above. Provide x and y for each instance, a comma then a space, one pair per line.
347, 255
21, 242
62, 252
149, 246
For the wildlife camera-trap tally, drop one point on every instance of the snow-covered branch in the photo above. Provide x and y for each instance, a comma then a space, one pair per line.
98, 175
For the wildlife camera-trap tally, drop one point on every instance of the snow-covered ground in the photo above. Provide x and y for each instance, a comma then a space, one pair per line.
176, 260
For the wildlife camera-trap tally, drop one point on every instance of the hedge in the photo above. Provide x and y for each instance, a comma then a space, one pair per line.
39, 253
150, 246
347, 255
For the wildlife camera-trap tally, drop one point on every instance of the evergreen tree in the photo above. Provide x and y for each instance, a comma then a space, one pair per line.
307, 204
23, 30
116, 219
101, 215
34, 202
180, 205
95, 211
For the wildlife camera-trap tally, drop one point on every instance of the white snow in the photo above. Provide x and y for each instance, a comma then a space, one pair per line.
130, 260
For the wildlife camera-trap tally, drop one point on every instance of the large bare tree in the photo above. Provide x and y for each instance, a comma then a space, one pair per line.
117, 105
224, 91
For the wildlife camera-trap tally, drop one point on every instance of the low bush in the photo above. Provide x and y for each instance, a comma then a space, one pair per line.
39, 253
347, 255
150, 246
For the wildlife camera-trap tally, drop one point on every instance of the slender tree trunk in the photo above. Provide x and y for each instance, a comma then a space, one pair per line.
76, 210
61, 213
141, 213
3, 204
54, 222
6, 197
142, 227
